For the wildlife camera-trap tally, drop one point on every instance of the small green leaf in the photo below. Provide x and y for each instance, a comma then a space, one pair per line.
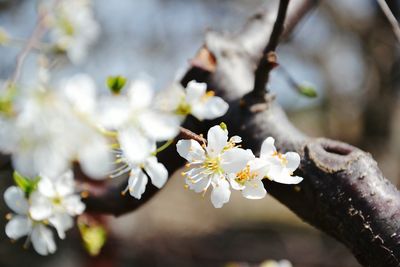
116, 84
94, 237
26, 184
223, 126
6, 100
308, 91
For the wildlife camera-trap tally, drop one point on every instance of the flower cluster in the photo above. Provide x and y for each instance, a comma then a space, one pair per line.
48, 128
73, 28
224, 165
39, 204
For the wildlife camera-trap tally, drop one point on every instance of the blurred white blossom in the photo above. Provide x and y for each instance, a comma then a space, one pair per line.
73, 28
56, 201
21, 223
194, 100
139, 123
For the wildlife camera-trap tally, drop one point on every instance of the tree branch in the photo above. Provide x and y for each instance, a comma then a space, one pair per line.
390, 17
343, 193
268, 61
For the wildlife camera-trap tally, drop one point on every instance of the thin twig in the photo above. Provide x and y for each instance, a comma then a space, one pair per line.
391, 18
267, 62
37, 33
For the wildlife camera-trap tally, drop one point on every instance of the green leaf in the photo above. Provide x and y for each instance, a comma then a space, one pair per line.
26, 184
308, 91
6, 100
94, 237
116, 84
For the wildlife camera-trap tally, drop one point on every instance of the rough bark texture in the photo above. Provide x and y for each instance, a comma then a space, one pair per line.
343, 193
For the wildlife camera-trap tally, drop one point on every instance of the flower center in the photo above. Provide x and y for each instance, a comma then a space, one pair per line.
56, 201
282, 158
207, 95
212, 164
183, 108
245, 175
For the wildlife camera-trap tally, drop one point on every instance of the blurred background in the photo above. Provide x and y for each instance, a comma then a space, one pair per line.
345, 49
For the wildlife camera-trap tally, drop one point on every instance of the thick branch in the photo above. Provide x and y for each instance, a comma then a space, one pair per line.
343, 193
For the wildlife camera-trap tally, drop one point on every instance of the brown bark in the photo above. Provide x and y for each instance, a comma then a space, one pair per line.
343, 193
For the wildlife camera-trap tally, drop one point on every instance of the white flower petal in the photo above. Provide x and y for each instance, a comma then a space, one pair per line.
15, 200
194, 92
169, 99
137, 183
220, 193
209, 109
293, 161
113, 111
140, 94
46, 187
235, 185
190, 150
61, 222
49, 161
80, 91
267, 147
23, 162
159, 126
259, 166
18, 226
43, 240
41, 207
65, 184
95, 158
254, 190
235, 159
157, 172
199, 184
287, 179
135, 146
217, 139
73, 205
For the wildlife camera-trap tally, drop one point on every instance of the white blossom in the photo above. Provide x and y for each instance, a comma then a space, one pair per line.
56, 201
139, 123
280, 166
139, 174
91, 145
249, 179
21, 223
272, 165
212, 164
40, 134
195, 100
51, 128
73, 28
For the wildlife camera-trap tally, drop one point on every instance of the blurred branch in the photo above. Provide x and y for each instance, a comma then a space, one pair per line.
37, 33
390, 17
300, 9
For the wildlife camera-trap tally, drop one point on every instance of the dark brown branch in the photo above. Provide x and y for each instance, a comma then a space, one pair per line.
343, 193
268, 60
